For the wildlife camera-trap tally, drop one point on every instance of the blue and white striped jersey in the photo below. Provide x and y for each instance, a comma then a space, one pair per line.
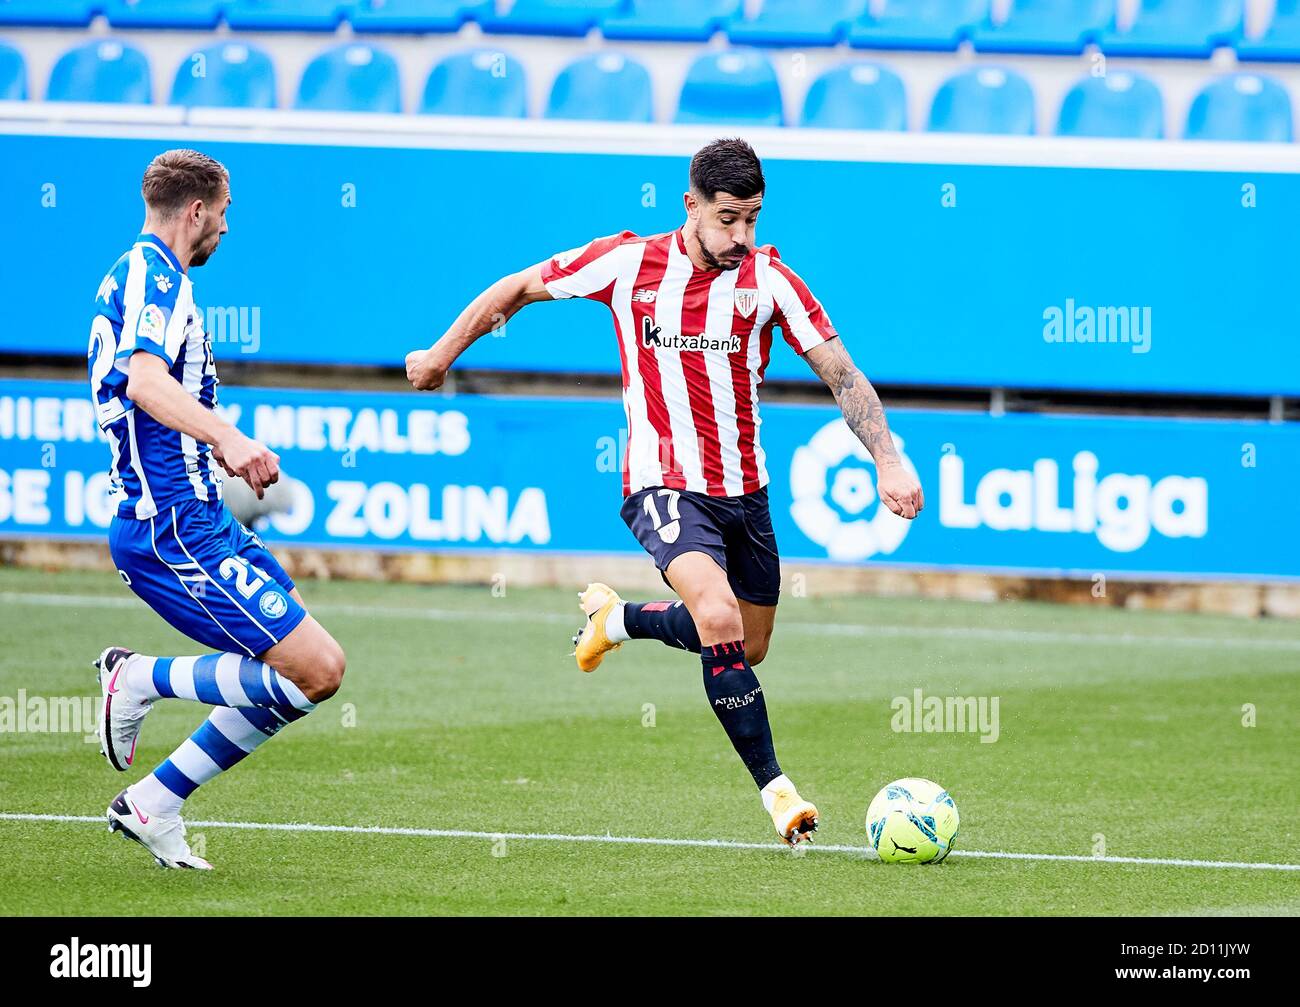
146, 302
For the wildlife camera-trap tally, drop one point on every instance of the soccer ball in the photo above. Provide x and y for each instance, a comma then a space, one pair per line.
912, 821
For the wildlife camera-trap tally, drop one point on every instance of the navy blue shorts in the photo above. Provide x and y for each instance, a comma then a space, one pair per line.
207, 575
735, 531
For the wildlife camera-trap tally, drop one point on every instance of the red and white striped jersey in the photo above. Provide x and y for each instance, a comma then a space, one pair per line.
694, 344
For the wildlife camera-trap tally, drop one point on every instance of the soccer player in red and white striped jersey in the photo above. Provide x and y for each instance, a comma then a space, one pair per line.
694, 312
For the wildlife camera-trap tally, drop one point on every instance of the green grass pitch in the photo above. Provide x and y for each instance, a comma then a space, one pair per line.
464, 711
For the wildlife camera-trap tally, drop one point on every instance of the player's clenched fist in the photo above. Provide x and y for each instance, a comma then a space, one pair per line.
899, 491
248, 460
424, 371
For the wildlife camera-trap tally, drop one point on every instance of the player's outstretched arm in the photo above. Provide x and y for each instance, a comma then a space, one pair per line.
151, 387
865, 415
427, 369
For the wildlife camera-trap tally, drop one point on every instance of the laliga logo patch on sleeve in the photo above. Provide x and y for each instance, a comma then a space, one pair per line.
152, 324
565, 259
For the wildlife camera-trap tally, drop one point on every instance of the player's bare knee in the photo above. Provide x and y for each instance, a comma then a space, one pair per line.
333, 662
324, 674
718, 619
321, 686
756, 650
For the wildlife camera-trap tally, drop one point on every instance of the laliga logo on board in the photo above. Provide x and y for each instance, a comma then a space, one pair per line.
1121, 509
853, 490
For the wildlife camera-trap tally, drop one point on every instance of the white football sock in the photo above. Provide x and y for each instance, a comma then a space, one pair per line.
214, 679
768, 793
614, 628
220, 743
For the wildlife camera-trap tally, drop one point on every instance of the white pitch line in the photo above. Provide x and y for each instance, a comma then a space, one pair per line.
726, 844
962, 633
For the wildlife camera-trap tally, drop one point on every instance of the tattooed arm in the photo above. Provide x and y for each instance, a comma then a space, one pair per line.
864, 414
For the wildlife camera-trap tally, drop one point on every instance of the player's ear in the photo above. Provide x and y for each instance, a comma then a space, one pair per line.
692, 204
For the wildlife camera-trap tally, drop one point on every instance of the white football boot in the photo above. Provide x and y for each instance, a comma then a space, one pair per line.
164, 838
120, 716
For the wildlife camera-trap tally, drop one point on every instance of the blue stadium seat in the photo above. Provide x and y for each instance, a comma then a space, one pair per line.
477, 82
858, 95
57, 13
1054, 27
671, 20
351, 78
13, 74
1186, 28
918, 24
1241, 106
228, 74
1120, 104
551, 17
1282, 39
284, 15
605, 85
797, 22
163, 13
985, 99
105, 70
417, 16
732, 86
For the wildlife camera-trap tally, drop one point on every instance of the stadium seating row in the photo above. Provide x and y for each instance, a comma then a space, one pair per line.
731, 86
1175, 28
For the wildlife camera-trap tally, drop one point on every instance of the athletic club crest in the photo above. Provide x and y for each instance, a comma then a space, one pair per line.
746, 300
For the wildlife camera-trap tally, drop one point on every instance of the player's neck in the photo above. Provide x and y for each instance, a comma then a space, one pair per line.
171, 236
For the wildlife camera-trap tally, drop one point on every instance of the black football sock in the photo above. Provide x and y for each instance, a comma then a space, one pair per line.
737, 701
667, 621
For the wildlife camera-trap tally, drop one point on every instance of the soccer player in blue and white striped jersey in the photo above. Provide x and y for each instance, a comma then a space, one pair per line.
154, 386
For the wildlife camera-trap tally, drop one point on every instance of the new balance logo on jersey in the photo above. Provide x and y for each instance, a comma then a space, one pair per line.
653, 335
643, 295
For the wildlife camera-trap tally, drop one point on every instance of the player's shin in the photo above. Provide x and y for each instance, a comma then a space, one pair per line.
737, 701
223, 740
666, 621
215, 679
